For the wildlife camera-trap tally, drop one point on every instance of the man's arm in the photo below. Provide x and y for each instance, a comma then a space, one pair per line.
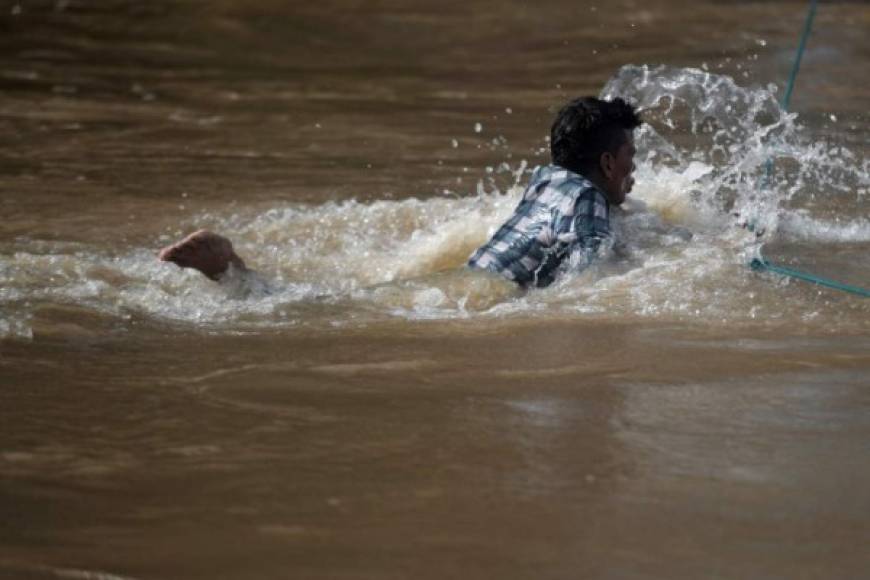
591, 227
577, 235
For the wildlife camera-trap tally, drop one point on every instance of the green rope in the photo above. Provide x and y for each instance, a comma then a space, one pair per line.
808, 25
760, 264
792, 77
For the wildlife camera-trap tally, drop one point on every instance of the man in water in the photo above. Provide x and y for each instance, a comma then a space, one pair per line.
564, 213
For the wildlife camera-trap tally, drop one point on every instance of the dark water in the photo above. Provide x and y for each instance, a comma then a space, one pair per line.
380, 413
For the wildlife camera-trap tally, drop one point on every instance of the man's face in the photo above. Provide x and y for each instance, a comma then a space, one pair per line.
617, 170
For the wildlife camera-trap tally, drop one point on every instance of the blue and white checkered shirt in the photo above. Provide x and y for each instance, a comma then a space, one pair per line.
562, 215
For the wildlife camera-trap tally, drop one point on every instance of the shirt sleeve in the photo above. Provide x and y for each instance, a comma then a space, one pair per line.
591, 226
577, 235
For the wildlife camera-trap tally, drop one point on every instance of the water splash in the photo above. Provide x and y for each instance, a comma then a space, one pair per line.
734, 149
702, 168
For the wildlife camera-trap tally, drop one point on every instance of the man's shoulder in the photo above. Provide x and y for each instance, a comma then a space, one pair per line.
562, 179
553, 184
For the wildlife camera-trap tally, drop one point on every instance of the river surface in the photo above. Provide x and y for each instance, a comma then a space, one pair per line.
365, 407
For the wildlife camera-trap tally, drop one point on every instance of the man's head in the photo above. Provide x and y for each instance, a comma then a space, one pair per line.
594, 138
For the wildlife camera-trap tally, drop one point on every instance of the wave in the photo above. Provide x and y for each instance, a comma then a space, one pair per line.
704, 168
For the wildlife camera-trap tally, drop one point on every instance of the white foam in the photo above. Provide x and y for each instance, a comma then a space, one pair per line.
799, 225
702, 158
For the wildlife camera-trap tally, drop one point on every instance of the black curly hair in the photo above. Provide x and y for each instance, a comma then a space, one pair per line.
587, 127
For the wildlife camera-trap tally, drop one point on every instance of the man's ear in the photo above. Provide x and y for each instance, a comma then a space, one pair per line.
606, 163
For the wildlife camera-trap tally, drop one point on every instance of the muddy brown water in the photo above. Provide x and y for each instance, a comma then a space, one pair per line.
530, 445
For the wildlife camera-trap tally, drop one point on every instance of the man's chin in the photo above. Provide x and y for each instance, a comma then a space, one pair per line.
625, 192
621, 198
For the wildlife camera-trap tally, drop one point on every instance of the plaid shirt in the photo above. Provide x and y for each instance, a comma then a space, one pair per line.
562, 215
